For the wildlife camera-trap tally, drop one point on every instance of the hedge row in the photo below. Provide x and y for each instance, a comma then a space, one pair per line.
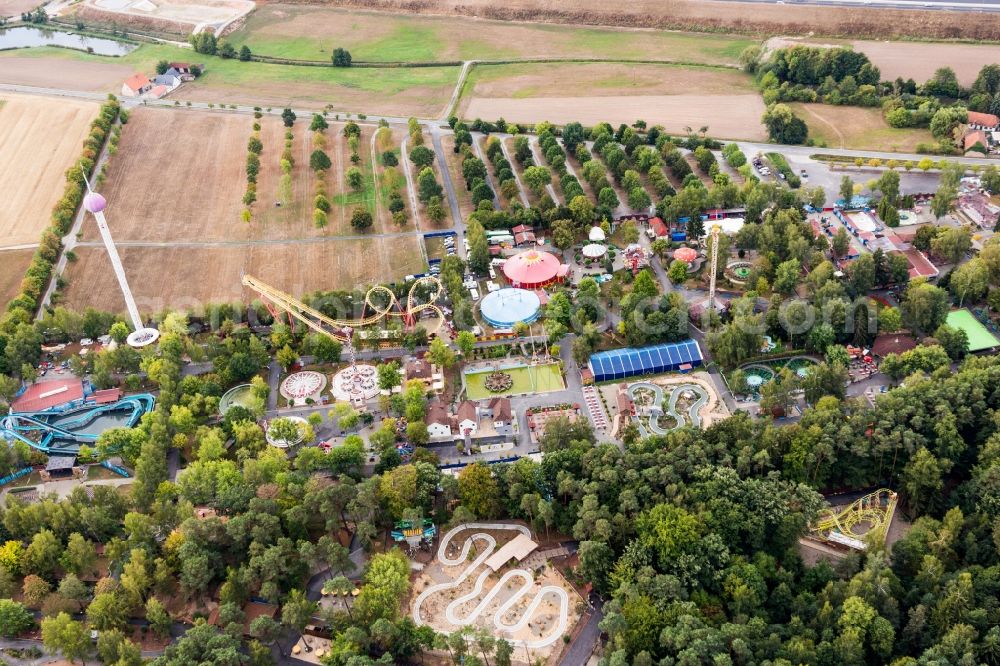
39, 273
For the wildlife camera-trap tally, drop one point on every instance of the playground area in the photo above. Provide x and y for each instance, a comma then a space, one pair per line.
517, 379
667, 403
471, 582
758, 374
980, 337
62, 429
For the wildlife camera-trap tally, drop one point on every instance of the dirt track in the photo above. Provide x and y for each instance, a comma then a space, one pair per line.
727, 116
34, 158
730, 16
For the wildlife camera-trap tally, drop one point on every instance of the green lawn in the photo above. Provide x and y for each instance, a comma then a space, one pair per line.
979, 336
311, 33
527, 379
422, 90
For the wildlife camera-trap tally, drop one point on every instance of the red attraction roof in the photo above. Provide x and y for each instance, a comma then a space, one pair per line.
685, 254
532, 267
46, 395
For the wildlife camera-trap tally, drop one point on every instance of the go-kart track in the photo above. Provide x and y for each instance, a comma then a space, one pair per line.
675, 394
527, 582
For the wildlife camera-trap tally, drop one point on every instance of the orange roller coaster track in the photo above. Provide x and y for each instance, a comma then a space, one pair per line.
341, 329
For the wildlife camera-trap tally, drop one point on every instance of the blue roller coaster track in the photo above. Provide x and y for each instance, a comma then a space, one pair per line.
63, 430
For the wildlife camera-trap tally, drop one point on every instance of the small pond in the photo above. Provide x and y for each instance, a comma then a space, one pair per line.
23, 37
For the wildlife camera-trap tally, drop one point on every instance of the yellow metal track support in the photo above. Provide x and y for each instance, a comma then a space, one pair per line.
335, 328
875, 509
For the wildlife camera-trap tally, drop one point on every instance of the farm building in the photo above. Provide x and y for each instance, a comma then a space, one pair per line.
983, 121
636, 361
136, 85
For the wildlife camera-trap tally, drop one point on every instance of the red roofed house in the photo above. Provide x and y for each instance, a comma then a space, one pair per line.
48, 395
136, 85
657, 226
158, 91
972, 138
986, 121
920, 265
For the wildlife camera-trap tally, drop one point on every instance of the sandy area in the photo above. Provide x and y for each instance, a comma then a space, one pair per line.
15, 7
192, 276
179, 176
180, 11
34, 159
66, 74
727, 116
13, 264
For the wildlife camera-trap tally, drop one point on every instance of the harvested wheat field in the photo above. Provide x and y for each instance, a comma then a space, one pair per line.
16, 7
40, 138
727, 116
858, 128
566, 79
64, 73
918, 60
759, 18
13, 265
178, 175
191, 276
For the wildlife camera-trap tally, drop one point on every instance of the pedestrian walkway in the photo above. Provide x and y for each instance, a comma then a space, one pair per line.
595, 407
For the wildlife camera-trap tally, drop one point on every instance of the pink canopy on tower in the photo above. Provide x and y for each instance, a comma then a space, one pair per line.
531, 269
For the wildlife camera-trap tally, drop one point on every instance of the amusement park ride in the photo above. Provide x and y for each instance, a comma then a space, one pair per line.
356, 379
861, 525
141, 335
343, 330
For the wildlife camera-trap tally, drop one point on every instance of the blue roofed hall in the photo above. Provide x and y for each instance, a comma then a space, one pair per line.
654, 359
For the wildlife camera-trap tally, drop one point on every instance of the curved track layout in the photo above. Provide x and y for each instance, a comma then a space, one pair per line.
656, 411
63, 431
373, 313
526, 578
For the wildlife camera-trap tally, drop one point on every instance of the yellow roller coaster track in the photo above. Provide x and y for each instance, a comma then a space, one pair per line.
338, 328
873, 511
